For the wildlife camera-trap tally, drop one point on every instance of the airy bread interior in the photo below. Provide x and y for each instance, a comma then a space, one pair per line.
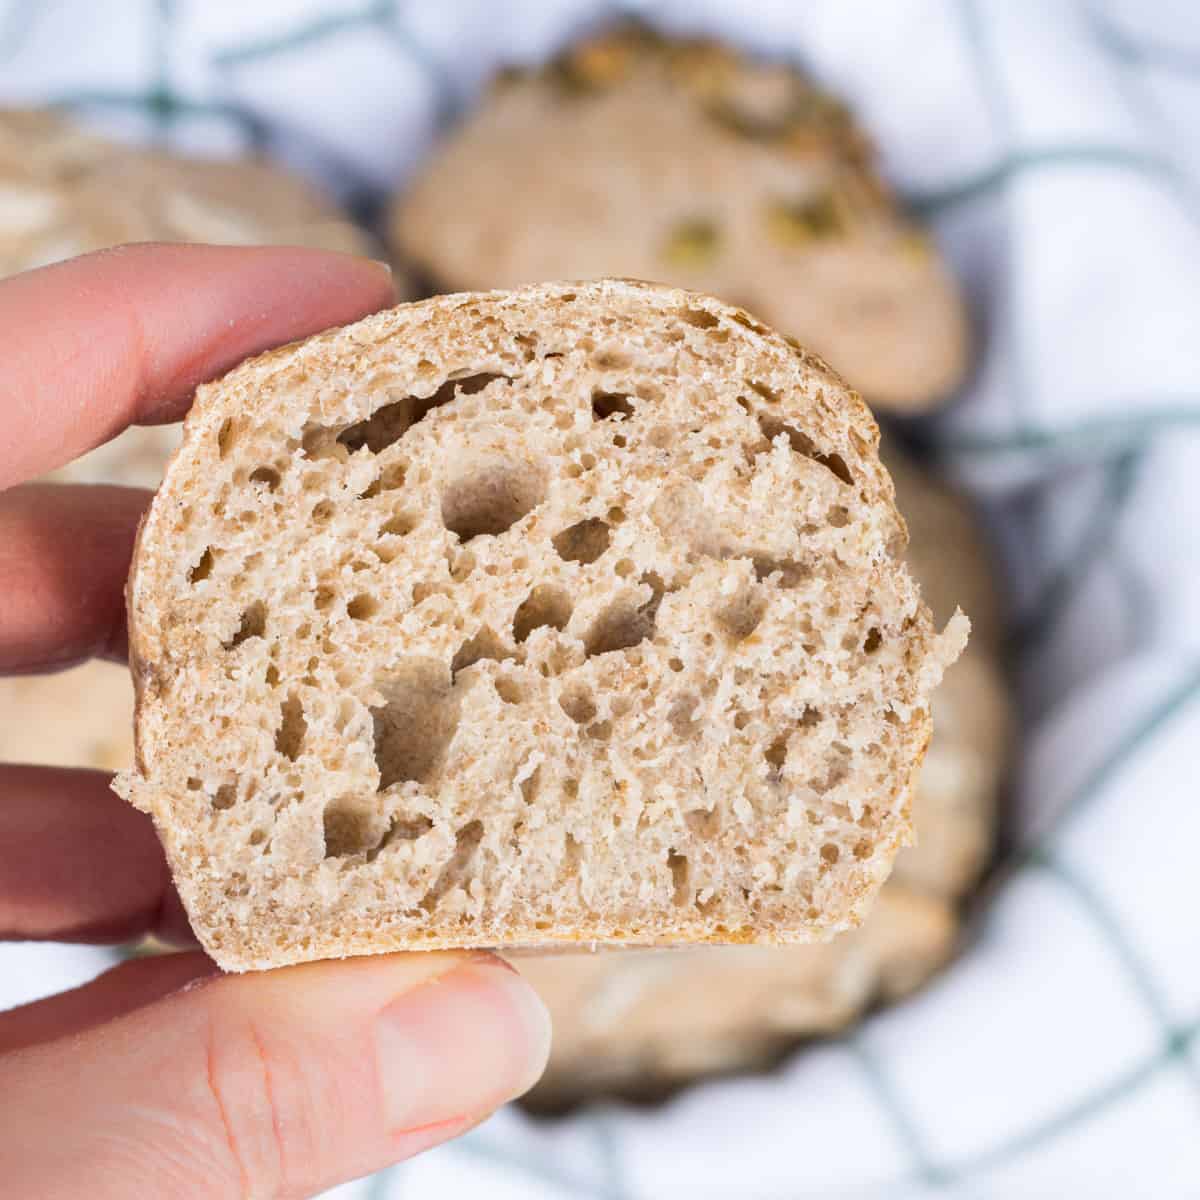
571, 613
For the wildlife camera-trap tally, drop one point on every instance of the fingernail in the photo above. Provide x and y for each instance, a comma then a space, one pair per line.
460, 1044
387, 275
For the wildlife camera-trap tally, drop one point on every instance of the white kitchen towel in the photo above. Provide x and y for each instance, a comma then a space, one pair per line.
1055, 146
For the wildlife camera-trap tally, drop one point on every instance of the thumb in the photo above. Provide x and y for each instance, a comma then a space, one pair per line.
278, 1084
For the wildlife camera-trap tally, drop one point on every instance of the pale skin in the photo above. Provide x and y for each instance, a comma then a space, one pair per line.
162, 1077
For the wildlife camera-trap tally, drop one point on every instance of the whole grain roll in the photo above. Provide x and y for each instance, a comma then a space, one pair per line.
683, 160
572, 613
65, 191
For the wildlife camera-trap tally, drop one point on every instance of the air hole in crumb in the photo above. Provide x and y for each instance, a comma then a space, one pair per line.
609, 404
389, 423
811, 718
625, 567
619, 441
408, 829
802, 444
462, 565
838, 516
572, 855
416, 723
351, 827
203, 569
531, 784
741, 616
485, 644
698, 318
676, 664
677, 864
621, 625
704, 823
682, 716
454, 873
398, 524
225, 796
776, 752
741, 719
423, 591
320, 442
289, 737
225, 437
601, 731
322, 511
830, 853
324, 598
582, 542
546, 605
508, 689
750, 323
491, 498
362, 607
253, 624
258, 837
791, 574
266, 475
578, 705
873, 642
767, 392
388, 480
609, 359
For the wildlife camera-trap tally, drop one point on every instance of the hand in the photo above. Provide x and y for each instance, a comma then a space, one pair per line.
162, 1077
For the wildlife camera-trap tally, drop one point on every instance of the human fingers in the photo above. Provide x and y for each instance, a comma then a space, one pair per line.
78, 863
119, 990
124, 336
64, 556
281, 1083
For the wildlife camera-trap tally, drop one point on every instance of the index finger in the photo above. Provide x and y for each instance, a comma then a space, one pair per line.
123, 336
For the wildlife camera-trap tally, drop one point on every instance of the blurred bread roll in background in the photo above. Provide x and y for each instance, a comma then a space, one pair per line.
657, 158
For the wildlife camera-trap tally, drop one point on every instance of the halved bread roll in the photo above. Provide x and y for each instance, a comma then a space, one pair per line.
566, 614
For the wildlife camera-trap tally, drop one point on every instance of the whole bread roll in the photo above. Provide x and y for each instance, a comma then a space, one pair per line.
65, 191
567, 614
683, 160
637, 1022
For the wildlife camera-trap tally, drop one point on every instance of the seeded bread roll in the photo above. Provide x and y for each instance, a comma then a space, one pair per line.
688, 162
64, 191
573, 613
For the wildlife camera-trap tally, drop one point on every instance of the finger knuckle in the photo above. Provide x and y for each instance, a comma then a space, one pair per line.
263, 1111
